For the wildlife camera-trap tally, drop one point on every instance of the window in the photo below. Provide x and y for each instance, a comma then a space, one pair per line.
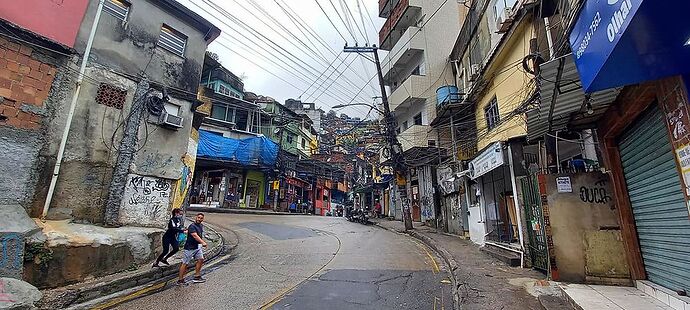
491, 114
117, 8
111, 96
290, 138
418, 119
223, 90
223, 113
404, 126
172, 40
242, 120
172, 109
304, 143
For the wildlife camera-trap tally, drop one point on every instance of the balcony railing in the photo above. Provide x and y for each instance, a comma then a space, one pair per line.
393, 19
409, 42
409, 93
416, 136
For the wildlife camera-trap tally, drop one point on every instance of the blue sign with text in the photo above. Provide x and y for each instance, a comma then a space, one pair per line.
597, 32
623, 42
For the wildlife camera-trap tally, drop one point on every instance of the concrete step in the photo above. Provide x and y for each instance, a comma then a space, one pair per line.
510, 258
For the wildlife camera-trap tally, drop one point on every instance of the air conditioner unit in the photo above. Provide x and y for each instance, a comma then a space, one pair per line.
475, 69
172, 121
504, 21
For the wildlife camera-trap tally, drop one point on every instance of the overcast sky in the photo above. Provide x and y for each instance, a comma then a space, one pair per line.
277, 58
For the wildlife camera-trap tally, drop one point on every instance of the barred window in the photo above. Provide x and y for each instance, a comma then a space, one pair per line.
492, 115
172, 40
117, 8
111, 96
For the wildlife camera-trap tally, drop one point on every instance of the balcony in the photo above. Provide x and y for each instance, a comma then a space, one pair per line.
409, 50
386, 7
410, 93
403, 15
416, 136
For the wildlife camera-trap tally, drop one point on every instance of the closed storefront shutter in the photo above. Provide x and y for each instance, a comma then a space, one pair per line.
657, 201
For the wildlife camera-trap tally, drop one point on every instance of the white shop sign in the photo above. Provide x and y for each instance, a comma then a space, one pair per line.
488, 160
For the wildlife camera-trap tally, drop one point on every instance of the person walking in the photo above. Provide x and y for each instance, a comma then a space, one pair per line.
175, 227
193, 250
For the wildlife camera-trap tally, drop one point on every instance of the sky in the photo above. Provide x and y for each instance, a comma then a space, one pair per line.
289, 48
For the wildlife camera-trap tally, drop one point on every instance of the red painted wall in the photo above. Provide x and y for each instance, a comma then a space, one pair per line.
58, 20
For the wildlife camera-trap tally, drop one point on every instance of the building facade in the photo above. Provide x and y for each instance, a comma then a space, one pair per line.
413, 70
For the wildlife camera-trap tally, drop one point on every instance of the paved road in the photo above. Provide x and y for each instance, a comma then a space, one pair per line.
307, 262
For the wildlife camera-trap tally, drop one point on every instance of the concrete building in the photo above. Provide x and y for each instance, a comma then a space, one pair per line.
416, 34
236, 176
622, 87
160, 39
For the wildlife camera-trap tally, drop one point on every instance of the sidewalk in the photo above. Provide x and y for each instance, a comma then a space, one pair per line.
482, 281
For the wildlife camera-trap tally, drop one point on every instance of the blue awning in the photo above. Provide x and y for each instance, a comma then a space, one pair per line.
258, 151
623, 42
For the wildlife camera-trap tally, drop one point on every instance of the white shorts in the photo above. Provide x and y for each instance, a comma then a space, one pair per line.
190, 255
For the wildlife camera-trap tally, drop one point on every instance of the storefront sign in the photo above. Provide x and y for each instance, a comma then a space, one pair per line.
488, 160
623, 42
673, 100
564, 185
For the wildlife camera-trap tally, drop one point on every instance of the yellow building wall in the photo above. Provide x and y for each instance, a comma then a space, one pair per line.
511, 85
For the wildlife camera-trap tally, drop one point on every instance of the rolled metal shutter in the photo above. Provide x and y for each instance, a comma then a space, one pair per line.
657, 201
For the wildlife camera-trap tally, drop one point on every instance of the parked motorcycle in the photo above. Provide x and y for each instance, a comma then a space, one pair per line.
350, 214
363, 217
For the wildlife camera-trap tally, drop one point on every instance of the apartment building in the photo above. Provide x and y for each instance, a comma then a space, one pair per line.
415, 35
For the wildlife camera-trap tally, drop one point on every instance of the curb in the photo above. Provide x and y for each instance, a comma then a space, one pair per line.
240, 211
447, 257
100, 292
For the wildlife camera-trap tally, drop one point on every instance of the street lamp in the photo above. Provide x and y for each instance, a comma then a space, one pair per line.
340, 106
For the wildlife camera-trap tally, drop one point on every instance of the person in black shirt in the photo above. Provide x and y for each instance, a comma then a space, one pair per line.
193, 250
175, 227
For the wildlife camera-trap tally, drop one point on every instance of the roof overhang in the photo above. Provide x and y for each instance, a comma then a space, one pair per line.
563, 104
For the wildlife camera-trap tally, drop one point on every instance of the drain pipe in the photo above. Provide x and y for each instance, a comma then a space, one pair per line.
516, 202
72, 107
549, 37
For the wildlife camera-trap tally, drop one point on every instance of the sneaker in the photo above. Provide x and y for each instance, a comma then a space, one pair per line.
198, 280
155, 265
165, 262
181, 283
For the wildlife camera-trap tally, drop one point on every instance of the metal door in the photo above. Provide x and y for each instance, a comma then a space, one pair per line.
657, 200
539, 251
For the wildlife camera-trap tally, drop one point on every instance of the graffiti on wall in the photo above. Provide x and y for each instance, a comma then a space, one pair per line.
11, 254
155, 161
595, 194
186, 175
146, 201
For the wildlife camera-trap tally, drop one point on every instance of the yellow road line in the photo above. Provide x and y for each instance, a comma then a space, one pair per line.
434, 265
136, 294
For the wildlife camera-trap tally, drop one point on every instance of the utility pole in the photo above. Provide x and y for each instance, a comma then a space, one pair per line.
395, 147
279, 160
126, 152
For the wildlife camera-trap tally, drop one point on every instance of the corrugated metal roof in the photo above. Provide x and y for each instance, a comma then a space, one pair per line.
563, 99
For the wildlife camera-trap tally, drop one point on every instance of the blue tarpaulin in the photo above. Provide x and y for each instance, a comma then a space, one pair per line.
258, 151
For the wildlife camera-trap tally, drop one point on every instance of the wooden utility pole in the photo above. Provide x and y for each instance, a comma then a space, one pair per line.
395, 147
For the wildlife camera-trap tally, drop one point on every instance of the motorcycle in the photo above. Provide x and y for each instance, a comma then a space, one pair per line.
363, 217
350, 214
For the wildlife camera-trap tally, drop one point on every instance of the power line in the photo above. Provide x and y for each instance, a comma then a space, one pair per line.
282, 51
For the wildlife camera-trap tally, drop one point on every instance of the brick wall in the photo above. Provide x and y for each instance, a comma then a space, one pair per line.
24, 85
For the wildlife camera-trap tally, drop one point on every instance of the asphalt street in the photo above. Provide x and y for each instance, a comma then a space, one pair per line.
309, 262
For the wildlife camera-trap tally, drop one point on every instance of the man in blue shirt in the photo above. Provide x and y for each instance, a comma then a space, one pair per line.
193, 250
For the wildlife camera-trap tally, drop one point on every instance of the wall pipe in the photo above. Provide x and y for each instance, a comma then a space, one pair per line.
72, 108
